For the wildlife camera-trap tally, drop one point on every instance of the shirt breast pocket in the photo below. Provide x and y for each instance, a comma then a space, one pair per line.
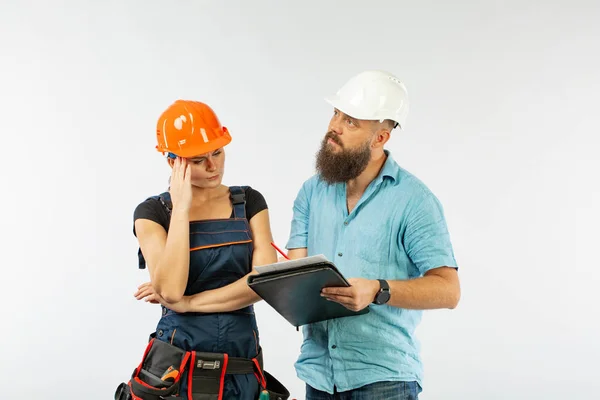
373, 249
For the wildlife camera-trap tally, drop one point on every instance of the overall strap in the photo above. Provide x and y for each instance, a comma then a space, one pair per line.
238, 198
165, 201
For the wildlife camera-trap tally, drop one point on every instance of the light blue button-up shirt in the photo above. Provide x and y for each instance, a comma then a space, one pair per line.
396, 231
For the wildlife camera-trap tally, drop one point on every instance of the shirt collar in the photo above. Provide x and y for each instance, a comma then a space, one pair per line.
390, 169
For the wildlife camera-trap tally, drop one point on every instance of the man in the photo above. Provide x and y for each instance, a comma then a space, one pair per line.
387, 233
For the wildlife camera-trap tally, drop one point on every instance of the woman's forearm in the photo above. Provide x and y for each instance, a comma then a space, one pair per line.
170, 275
232, 297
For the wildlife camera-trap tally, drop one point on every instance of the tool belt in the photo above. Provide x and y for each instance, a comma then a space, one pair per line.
159, 374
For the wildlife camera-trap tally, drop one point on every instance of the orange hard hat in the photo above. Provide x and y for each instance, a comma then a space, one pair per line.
188, 128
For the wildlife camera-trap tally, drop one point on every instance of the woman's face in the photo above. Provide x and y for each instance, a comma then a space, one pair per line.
207, 169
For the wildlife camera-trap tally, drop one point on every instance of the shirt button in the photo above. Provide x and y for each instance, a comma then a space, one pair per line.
346, 223
340, 254
334, 346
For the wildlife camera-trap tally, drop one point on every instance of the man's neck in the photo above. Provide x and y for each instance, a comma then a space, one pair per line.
358, 185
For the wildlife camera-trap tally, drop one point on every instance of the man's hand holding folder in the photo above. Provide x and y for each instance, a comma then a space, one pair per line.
356, 297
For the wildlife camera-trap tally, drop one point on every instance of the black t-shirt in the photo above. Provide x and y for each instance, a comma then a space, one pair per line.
153, 209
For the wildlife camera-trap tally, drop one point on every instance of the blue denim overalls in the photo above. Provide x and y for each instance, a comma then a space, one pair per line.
220, 254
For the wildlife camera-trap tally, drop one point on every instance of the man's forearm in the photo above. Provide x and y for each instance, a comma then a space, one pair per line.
295, 254
425, 293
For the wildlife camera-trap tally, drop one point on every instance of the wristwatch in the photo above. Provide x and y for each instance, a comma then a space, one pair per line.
383, 296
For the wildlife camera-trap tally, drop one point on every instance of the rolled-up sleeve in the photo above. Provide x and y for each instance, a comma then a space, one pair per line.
426, 238
299, 226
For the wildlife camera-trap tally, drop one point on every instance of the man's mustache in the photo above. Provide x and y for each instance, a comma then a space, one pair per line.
333, 136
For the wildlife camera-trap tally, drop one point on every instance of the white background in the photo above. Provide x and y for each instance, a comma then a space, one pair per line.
503, 128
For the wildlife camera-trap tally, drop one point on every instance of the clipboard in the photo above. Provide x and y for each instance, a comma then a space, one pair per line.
293, 289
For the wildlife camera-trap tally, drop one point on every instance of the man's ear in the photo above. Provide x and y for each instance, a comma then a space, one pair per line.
170, 161
381, 138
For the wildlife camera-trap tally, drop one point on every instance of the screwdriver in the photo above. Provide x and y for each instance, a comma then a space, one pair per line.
264, 395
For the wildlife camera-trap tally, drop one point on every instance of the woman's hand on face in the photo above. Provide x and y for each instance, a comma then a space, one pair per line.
181, 185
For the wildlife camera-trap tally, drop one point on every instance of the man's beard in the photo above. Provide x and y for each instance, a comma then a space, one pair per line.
343, 165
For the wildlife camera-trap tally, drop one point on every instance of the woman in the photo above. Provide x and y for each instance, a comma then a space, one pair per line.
200, 240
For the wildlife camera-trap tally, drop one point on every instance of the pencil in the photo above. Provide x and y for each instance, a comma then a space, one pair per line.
279, 250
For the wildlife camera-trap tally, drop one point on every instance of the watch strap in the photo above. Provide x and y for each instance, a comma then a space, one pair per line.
383, 285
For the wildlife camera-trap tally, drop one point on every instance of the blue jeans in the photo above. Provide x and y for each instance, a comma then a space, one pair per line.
374, 391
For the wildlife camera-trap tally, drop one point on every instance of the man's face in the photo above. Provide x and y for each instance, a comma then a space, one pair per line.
346, 148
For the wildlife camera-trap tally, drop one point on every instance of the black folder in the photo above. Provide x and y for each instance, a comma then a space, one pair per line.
293, 289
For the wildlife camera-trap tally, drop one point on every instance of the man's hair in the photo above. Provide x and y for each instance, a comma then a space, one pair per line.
387, 124
390, 124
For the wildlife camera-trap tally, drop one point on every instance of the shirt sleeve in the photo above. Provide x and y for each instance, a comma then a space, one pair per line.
152, 210
255, 202
426, 238
299, 228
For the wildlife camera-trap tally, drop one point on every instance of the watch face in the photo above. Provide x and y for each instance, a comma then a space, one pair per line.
383, 297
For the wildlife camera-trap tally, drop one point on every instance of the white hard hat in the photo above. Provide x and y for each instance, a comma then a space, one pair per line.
373, 95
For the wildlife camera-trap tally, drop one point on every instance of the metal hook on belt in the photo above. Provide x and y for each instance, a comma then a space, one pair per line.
215, 364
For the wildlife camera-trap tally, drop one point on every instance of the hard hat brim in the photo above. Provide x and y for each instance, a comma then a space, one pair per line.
353, 111
346, 107
195, 151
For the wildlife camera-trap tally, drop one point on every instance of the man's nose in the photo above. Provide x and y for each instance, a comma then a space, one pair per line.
335, 124
335, 127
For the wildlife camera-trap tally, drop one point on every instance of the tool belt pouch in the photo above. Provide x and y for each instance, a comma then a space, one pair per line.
207, 371
159, 374
275, 388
